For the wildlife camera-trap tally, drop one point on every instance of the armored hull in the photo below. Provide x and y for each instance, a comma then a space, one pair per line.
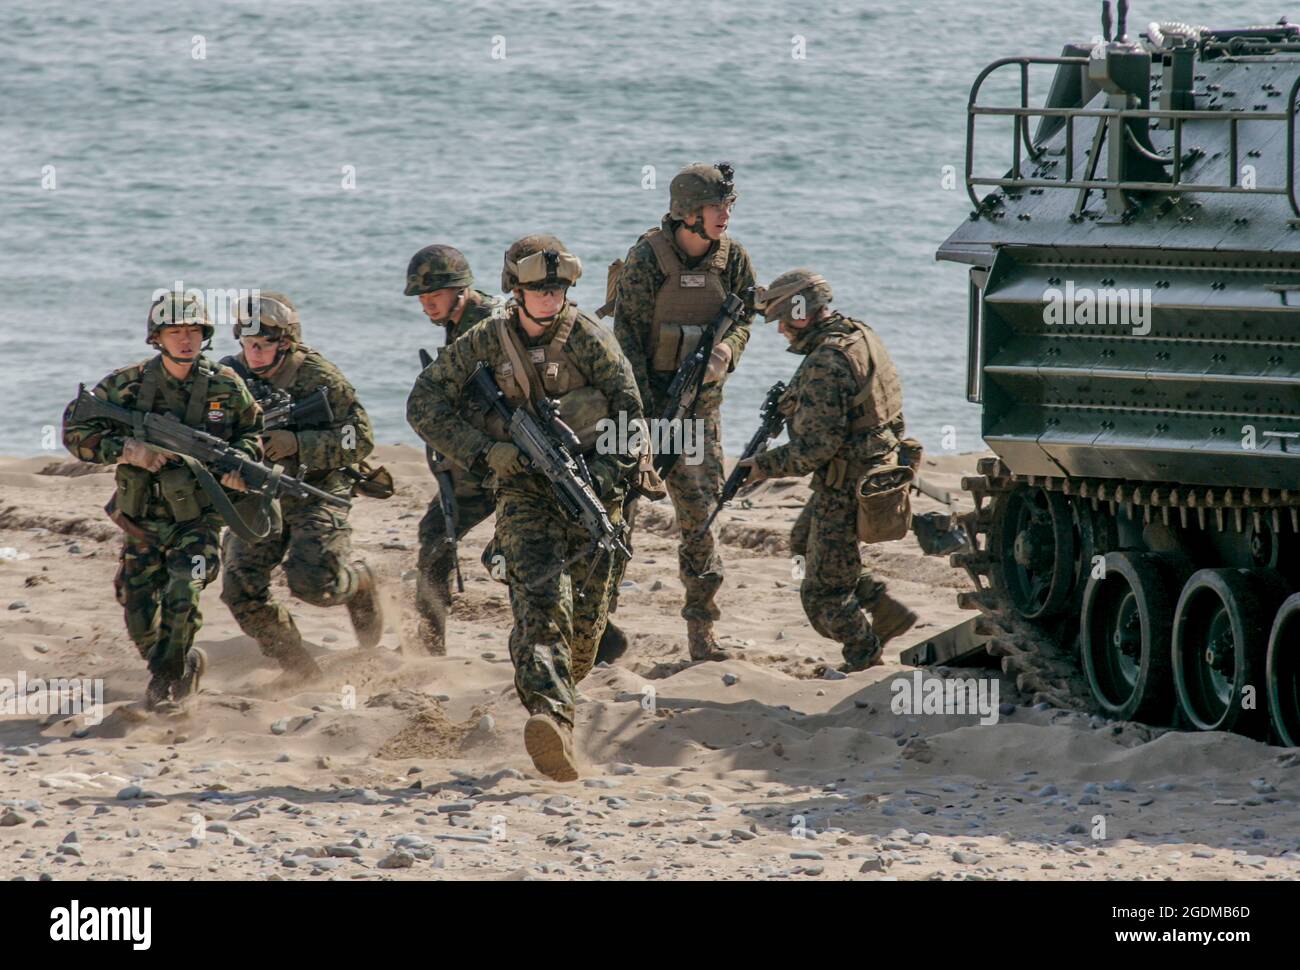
1134, 343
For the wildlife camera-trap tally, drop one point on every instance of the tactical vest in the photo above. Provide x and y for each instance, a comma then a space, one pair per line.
686, 302
139, 491
529, 373
879, 400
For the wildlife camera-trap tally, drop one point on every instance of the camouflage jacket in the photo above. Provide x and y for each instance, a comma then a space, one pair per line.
816, 406
230, 412
322, 450
478, 306
437, 408
638, 286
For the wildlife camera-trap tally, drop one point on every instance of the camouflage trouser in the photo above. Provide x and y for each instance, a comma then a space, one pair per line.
435, 564
314, 543
694, 489
556, 633
836, 588
166, 574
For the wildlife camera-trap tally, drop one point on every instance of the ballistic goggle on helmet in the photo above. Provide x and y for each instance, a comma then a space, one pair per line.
798, 294
268, 315
539, 261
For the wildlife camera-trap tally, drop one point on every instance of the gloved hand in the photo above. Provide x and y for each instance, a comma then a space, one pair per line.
505, 459
719, 360
756, 474
604, 477
280, 444
135, 452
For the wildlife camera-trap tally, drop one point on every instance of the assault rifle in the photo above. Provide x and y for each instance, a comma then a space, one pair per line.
279, 410
204, 454
680, 398
553, 449
770, 423
446, 493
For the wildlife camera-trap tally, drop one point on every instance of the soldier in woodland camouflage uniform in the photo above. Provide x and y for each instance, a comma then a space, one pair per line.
844, 413
441, 278
541, 346
315, 540
170, 551
673, 283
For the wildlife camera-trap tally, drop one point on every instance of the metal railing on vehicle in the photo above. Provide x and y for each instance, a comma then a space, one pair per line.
1115, 119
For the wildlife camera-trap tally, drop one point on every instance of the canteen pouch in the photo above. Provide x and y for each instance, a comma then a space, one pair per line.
885, 503
181, 493
134, 486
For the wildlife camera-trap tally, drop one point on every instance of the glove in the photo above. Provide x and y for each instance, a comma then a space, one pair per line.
505, 460
719, 360
756, 474
603, 477
280, 444
136, 453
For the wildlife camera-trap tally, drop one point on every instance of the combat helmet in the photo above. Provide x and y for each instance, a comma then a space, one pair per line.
173, 309
539, 262
699, 185
796, 294
436, 268
267, 314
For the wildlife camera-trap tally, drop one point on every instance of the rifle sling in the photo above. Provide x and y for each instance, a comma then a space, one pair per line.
260, 527
525, 373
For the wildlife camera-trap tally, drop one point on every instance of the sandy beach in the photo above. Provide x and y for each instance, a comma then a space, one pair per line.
398, 766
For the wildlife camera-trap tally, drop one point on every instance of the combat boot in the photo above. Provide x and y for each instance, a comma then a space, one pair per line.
890, 618
158, 694
431, 638
293, 658
861, 654
699, 638
613, 644
364, 608
549, 742
196, 665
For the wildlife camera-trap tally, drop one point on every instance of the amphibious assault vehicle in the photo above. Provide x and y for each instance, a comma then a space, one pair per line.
1134, 342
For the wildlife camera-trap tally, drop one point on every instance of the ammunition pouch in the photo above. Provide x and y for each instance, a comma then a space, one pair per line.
676, 342
181, 493
885, 503
134, 489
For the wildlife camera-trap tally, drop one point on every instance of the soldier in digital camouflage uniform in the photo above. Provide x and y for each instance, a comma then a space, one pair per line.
170, 551
844, 414
314, 542
542, 346
674, 282
440, 276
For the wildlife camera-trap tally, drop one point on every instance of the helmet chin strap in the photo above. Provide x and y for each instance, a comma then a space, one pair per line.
280, 352
697, 227
541, 321
207, 345
452, 310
